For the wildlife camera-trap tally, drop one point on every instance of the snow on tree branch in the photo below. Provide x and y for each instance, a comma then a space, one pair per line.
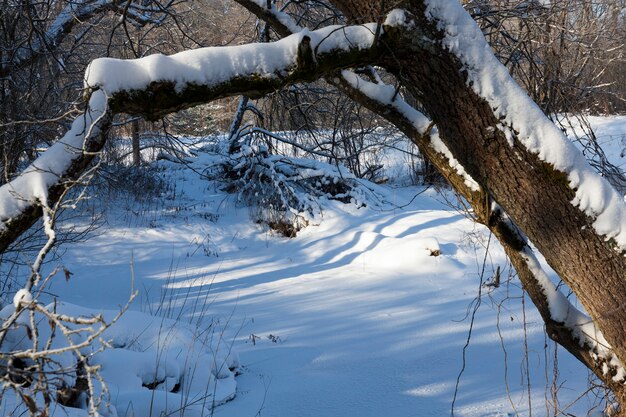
522, 118
384, 97
22, 198
582, 327
156, 85
387, 96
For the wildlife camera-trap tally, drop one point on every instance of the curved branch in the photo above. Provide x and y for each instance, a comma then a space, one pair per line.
157, 85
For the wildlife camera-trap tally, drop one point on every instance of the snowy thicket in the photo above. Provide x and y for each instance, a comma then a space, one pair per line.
286, 193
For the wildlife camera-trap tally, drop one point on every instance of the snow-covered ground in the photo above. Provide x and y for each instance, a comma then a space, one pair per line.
353, 317
610, 132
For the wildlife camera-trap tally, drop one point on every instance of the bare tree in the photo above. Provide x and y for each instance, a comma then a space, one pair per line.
566, 54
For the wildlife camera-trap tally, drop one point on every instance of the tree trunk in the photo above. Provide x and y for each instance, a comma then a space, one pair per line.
135, 142
511, 239
535, 195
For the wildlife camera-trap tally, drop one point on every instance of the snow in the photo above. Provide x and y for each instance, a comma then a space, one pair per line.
441, 147
148, 349
387, 94
561, 310
215, 65
363, 314
491, 80
53, 35
397, 17
22, 297
356, 316
144, 350
608, 132
584, 329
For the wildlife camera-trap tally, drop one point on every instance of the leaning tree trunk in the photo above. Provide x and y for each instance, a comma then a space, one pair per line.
531, 191
536, 196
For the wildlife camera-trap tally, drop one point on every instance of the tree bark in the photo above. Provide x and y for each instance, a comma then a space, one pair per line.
536, 196
136, 145
512, 240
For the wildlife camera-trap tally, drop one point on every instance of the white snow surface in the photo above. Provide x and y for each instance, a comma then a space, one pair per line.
491, 80
144, 350
352, 317
609, 133
214, 65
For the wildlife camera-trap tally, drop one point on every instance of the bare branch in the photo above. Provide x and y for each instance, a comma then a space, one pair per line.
71, 16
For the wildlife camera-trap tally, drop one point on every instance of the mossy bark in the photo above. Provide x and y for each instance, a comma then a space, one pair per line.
160, 98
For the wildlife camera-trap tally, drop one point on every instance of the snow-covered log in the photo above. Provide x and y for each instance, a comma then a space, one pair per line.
157, 85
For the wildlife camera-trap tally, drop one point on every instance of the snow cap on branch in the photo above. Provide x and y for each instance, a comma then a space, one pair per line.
215, 65
33, 184
22, 298
522, 118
